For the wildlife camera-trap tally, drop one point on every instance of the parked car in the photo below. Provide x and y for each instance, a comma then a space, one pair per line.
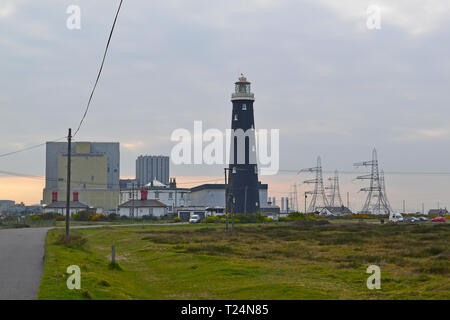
194, 219
438, 219
412, 219
423, 219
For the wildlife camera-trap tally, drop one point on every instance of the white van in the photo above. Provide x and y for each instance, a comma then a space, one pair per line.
194, 219
396, 217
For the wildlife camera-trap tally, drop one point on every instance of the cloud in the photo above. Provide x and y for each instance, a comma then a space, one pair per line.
421, 134
133, 145
6, 10
416, 17
223, 14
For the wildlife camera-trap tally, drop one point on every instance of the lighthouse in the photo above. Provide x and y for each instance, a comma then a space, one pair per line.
242, 187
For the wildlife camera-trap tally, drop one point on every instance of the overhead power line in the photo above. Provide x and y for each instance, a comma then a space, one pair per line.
29, 148
90, 97
386, 172
100, 70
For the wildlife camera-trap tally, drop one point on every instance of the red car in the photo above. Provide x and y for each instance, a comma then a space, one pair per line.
438, 219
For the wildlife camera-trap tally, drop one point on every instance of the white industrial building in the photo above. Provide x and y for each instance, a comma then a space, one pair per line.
203, 200
213, 195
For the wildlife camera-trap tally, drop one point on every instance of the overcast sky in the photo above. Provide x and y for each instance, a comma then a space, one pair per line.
332, 87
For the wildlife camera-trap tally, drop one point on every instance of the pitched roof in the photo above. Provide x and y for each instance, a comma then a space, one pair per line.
62, 205
143, 204
155, 183
338, 209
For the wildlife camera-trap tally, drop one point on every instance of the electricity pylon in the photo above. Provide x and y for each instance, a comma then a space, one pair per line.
335, 194
293, 195
376, 201
319, 198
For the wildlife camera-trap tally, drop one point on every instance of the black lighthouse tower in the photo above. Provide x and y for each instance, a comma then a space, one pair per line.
242, 189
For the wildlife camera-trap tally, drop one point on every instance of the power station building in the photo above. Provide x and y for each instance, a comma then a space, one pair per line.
242, 190
95, 174
150, 168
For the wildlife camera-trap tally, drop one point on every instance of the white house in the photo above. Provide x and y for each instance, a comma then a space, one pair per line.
59, 207
169, 195
139, 208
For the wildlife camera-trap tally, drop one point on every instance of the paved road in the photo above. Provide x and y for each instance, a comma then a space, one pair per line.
22, 260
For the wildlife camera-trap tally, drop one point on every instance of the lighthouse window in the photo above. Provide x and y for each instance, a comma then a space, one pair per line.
235, 117
244, 107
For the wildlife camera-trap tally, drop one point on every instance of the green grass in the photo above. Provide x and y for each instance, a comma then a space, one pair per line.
266, 261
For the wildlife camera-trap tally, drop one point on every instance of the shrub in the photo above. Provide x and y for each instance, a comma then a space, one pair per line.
82, 216
97, 217
35, 217
176, 219
149, 217
46, 216
296, 216
211, 219
113, 216
249, 218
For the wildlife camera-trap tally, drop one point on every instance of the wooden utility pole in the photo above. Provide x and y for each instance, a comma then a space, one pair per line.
69, 154
113, 254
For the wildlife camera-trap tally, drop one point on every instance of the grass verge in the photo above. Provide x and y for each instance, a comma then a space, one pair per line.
266, 261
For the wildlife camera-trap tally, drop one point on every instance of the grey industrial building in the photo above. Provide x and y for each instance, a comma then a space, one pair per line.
149, 168
95, 173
